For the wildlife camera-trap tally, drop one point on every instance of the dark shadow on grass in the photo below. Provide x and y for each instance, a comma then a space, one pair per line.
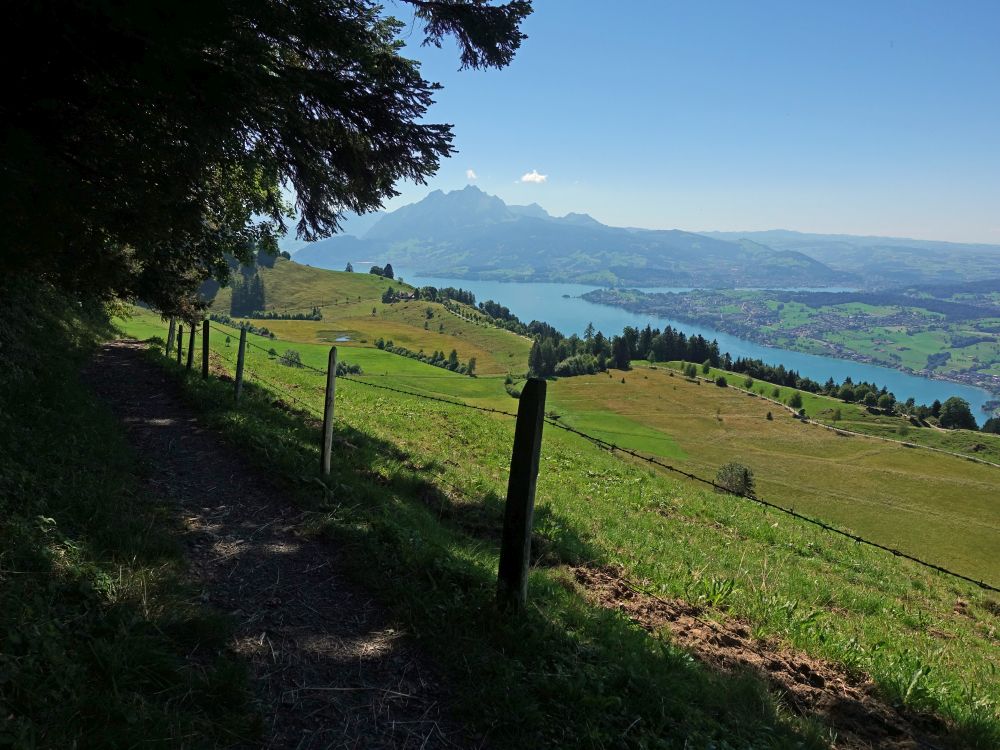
95, 627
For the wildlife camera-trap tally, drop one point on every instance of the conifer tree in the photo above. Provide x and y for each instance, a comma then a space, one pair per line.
164, 133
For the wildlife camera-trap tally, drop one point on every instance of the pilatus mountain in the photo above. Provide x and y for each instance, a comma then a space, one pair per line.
471, 234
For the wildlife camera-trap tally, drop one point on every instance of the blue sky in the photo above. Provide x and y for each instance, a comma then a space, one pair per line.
855, 117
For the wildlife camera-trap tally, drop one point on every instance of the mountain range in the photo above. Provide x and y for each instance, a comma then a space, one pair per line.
885, 261
471, 234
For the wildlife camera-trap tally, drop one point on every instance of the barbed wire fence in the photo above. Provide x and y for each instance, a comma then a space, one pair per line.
531, 414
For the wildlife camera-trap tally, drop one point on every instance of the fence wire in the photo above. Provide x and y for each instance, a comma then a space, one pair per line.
662, 465
767, 504
282, 390
484, 409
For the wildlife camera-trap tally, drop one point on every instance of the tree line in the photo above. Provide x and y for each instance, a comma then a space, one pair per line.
437, 359
385, 272
432, 294
555, 354
247, 293
954, 413
256, 330
314, 314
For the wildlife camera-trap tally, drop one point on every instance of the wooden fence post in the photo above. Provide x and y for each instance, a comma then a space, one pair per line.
239, 363
515, 544
204, 349
190, 359
331, 389
180, 342
170, 336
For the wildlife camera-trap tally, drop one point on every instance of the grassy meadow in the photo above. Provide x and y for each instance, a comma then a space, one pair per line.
417, 325
292, 287
417, 494
931, 505
858, 418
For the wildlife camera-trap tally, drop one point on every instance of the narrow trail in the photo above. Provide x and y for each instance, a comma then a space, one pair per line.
328, 667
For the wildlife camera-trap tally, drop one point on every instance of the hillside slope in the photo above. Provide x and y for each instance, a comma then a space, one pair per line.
417, 494
355, 316
839, 479
291, 287
937, 506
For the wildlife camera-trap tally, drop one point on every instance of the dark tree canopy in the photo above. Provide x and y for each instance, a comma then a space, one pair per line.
142, 143
956, 415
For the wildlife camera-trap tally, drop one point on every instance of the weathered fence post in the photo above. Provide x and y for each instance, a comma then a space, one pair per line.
180, 342
239, 363
515, 544
204, 349
190, 360
170, 336
331, 388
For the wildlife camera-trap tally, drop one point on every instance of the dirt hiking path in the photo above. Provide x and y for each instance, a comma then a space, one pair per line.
329, 669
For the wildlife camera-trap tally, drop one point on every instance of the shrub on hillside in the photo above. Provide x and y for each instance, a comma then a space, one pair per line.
345, 368
735, 478
291, 358
721, 382
226, 320
579, 364
956, 415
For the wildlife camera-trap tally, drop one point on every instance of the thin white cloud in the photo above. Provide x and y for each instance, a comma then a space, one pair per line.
470, 174
533, 176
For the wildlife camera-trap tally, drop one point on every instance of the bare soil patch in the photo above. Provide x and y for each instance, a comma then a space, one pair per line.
850, 705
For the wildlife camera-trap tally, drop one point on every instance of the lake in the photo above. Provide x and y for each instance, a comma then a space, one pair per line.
560, 305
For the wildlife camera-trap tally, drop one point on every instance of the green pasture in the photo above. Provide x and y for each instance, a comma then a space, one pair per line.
417, 494
840, 479
417, 325
925, 503
294, 287
857, 418
378, 366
